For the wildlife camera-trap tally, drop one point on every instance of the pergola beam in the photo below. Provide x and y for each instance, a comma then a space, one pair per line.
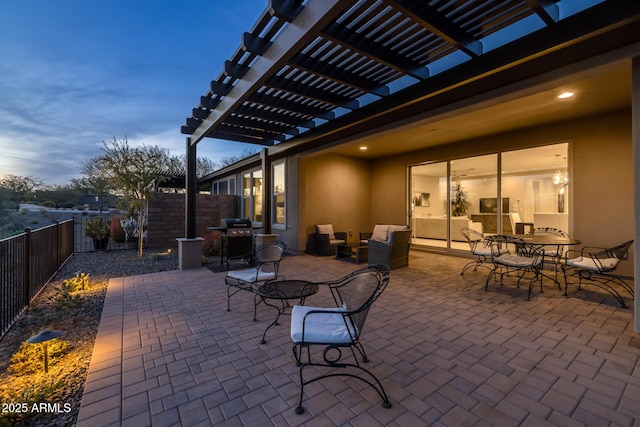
547, 10
305, 27
430, 18
357, 42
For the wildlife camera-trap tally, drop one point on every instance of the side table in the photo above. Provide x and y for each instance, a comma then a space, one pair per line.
284, 291
357, 252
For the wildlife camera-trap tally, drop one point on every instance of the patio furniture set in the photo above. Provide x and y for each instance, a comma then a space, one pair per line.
332, 328
387, 244
525, 255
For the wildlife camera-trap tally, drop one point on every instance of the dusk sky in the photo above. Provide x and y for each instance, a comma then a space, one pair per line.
76, 73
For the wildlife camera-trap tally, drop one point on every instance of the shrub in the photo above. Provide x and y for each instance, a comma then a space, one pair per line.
48, 204
30, 357
117, 232
68, 205
211, 244
97, 228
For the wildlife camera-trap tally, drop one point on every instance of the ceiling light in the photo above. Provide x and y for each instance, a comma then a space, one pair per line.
363, 148
565, 95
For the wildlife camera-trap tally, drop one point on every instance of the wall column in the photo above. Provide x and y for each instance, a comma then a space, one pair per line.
190, 248
635, 132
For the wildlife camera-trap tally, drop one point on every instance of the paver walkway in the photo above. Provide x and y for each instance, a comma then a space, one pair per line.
448, 353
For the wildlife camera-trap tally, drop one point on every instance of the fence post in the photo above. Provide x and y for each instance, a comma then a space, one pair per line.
27, 266
57, 244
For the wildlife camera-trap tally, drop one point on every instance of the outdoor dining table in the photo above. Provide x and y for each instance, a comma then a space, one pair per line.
284, 291
543, 239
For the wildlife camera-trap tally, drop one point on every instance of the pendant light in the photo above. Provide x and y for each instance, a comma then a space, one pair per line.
557, 176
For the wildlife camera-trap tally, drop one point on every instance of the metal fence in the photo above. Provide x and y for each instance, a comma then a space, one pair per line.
27, 262
83, 243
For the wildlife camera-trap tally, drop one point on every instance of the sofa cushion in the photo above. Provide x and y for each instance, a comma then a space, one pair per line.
393, 228
380, 233
326, 229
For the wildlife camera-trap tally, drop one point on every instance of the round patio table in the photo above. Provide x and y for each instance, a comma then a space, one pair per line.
543, 239
284, 291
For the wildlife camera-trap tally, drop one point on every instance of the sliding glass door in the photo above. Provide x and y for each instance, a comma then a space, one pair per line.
529, 189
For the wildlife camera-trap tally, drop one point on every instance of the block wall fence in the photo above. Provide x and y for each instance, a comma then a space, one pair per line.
167, 212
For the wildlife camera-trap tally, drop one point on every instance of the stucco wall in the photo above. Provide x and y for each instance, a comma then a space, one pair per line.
167, 211
601, 200
335, 189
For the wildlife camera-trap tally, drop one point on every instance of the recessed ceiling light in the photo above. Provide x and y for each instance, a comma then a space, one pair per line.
363, 147
565, 95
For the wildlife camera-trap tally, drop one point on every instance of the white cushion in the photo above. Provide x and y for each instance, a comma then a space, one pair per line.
482, 250
336, 241
329, 327
380, 233
587, 263
393, 228
516, 261
251, 275
326, 229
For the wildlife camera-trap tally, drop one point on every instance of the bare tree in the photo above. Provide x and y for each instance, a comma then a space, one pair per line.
133, 172
19, 188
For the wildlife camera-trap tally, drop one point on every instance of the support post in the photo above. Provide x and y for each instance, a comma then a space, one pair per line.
191, 184
635, 137
267, 191
190, 248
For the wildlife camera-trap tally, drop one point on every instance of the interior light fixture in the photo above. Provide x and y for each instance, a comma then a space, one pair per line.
560, 177
565, 95
363, 148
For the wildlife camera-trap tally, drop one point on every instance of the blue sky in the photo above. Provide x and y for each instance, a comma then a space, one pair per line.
75, 73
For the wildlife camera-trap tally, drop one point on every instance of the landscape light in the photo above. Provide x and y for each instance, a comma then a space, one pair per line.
43, 337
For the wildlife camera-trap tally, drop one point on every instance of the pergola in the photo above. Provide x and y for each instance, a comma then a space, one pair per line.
313, 74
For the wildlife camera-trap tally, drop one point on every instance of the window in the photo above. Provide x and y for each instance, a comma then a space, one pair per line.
224, 186
278, 202
252, 195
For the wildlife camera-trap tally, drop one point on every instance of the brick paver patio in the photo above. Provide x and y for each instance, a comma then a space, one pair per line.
448, 353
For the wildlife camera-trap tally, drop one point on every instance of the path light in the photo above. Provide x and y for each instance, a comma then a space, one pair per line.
43, 337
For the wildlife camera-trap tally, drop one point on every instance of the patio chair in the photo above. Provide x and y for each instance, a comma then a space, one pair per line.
364, 237
480, 247
339, 328
324, 240
553, 253
523, 258
266, 260
595, 265
393, 251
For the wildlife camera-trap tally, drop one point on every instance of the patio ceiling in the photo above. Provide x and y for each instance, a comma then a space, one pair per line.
347, 66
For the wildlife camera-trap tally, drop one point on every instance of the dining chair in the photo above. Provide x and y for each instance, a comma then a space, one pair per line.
595, 265
553, 253
337, 328
265, 260
510, 254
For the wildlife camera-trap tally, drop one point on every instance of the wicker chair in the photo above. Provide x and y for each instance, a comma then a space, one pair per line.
339, 327
594, 265
324, 240
394, 252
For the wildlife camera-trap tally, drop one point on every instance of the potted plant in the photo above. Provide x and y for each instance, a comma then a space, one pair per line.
460, 202
98, 229
131, 232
